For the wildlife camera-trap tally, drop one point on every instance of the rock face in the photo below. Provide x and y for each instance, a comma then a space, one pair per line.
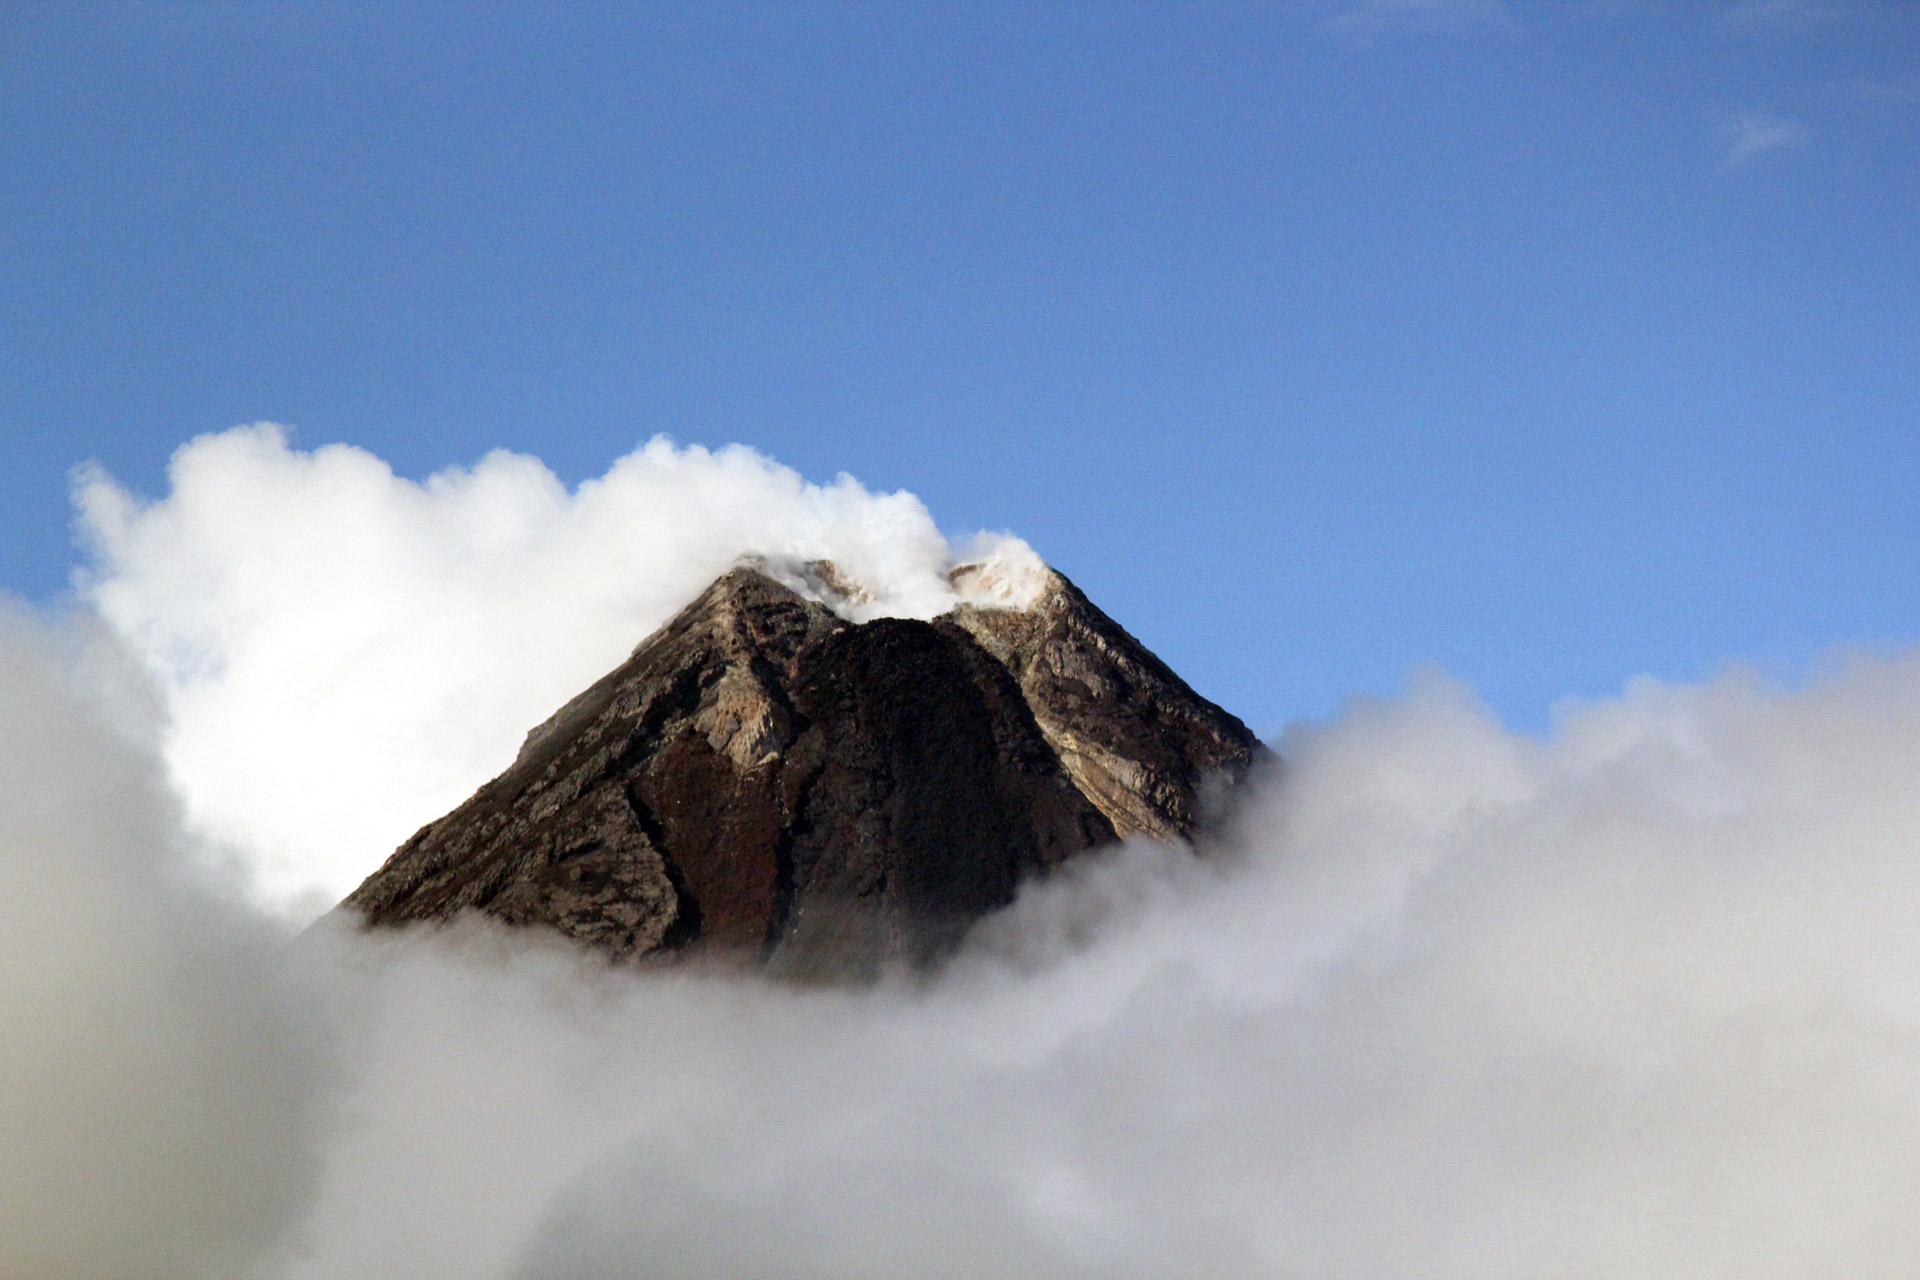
765, 782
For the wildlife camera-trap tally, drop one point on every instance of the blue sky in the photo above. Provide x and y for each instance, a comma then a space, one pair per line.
1553, 343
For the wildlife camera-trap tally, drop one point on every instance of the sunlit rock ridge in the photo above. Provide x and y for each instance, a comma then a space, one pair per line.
776, 779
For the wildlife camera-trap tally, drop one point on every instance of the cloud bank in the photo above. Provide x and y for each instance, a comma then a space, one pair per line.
162, 1077
1641, 999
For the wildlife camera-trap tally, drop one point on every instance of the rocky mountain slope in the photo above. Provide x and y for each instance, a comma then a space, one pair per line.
766, 782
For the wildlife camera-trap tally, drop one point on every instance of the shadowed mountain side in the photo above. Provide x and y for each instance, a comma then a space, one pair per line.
765, 782
1132, 735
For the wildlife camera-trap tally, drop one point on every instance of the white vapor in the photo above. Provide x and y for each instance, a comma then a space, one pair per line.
161, 1075
1443, 1002
345, 655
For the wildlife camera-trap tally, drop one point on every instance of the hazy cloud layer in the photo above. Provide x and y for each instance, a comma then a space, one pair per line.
1643, 999
160, 1070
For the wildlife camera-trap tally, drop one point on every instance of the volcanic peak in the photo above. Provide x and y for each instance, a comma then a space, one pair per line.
766, 781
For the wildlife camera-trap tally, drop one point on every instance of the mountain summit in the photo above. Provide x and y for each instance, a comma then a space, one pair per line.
767, 781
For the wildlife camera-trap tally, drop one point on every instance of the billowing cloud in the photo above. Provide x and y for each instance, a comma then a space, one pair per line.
1639, 999
345, 654
1449, 1003
161, 1071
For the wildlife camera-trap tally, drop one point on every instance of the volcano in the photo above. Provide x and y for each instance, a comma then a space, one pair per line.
767, 782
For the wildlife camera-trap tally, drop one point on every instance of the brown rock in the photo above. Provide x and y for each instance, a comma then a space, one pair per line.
765, 782
1133, 737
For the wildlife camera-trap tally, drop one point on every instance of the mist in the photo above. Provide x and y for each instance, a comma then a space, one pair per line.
163, 1070
1640, 998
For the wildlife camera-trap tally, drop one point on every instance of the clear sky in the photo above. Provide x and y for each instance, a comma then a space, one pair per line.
1550, 342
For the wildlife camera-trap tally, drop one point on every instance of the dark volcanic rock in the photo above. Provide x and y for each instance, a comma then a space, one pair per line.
764, 781
1133, 737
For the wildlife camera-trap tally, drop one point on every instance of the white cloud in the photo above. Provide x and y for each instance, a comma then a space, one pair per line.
1749, 135
1452, 1003
1641, 999
160, 1073
345, 654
